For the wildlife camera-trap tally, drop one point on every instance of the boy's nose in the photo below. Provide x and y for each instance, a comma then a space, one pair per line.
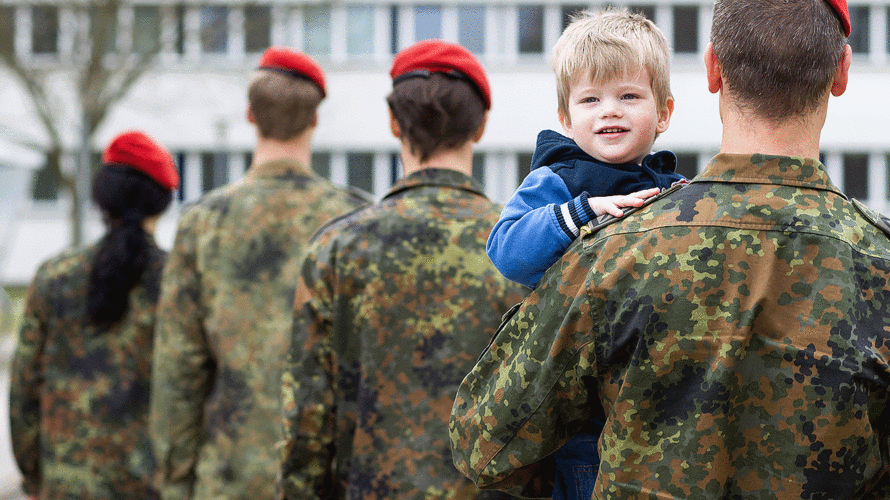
610, 108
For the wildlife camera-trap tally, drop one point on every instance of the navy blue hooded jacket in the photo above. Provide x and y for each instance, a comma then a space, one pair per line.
546, 213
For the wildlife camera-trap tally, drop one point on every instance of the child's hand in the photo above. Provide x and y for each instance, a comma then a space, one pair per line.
611, 204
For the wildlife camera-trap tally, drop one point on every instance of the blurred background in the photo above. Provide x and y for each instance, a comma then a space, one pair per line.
73, 75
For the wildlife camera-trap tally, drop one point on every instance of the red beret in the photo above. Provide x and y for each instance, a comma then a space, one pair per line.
436, 56
137, 150
293, 63
840, 8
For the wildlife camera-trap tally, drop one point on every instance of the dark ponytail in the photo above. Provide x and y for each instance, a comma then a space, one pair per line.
126, 197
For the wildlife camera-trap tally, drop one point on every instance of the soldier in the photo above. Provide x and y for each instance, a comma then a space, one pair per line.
395, 303
735, 331
79, 394
227, 297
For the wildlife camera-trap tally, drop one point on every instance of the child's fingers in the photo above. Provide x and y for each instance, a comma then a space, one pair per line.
646, 193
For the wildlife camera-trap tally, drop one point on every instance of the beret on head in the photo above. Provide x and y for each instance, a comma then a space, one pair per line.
137, 150
437, 56
293, 63
840, 8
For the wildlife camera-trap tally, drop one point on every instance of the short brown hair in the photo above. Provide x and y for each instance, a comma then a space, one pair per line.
777, 57
607, 44
436, 112
283, 105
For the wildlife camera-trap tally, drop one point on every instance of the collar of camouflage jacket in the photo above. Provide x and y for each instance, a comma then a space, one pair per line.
768, 169
441, 177
277, 168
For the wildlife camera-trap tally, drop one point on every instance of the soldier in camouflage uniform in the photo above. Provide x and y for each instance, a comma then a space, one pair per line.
736, 332
395, 304
79, 394
227, 297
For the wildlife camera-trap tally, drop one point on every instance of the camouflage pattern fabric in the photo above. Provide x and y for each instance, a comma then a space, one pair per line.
79, 398
736, 332
223, 330
395, 305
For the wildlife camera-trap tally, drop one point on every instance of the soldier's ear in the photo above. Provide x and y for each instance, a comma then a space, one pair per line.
394, 126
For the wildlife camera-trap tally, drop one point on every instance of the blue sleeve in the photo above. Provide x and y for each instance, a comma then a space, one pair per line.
533, 231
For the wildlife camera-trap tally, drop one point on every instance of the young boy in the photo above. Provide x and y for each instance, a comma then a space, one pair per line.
614, 98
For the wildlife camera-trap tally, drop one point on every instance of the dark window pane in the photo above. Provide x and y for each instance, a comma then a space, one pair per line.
856, 175
859, 34
687, 164
46, 185
146, 29
569, 12
215, 170
646, 10
7, 29
248, 160
395, 168
179, 158
257, 27
427, 22
103, 28
523, 166
531, 29
321, 164
214, 29
394, 30
361, 170
686, 29
471, 27
479, 168
180, 29
45, 30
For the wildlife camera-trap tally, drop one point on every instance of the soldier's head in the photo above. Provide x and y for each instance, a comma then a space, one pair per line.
778, 59
284, 93
440, 96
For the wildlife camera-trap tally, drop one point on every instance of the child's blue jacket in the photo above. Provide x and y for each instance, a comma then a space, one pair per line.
547, 211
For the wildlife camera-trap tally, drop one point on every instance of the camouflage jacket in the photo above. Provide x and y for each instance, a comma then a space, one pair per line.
79, 398
223, 330
395, 305
736, 332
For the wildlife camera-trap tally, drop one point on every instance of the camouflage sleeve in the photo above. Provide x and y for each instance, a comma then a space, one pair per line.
525, 397
308, 389
26, 379
182, 368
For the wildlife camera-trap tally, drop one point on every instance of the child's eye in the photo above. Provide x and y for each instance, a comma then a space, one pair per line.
585, 100
630, 96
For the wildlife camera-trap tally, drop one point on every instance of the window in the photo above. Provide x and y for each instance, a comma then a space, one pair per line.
45, 32
179, 159
856, 175
531, 29
479, 168
321, 164
685, 29
7, 29
471, 28
687, 164
523, 166
859, 36
359, 30
257, 27
214, 29
569, 12
46, 185
317, 30
427, 22
646, 10
146, 29
394, 30
214, 170
103, 28
360, 168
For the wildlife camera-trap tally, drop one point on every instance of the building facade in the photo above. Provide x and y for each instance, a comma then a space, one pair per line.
193, 100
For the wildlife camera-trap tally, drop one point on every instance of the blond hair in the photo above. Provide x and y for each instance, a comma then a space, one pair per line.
610, 44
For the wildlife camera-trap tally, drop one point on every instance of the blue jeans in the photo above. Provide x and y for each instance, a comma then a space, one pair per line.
577, 464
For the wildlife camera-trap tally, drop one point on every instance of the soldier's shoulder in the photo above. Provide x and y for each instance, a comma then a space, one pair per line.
336, 223
597, 224
877, 219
